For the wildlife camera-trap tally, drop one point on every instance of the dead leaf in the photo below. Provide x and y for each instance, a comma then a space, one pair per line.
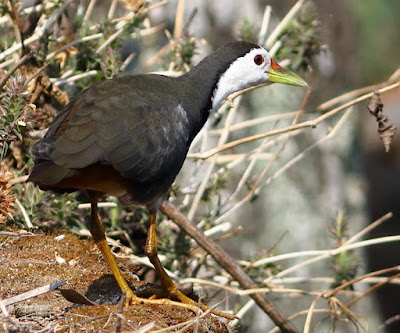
6, 197
73, 296
59, 259
72, 262
63, 56
386, 132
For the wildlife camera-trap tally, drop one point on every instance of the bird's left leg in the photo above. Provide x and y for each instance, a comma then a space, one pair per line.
151, 252
166, 281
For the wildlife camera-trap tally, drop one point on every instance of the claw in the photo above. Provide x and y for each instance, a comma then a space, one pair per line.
129, 297
185, 302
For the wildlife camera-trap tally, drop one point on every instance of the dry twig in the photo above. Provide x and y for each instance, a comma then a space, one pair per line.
226, 261
32, 293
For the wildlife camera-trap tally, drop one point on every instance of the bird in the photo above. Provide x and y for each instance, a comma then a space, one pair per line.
129, 136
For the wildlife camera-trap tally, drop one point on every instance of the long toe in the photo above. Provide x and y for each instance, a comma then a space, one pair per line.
184, 302
184, 299
163, 301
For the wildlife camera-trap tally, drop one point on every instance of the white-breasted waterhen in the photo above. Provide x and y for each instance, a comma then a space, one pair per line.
129, 137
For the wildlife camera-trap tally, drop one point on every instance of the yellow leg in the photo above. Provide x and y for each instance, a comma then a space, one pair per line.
151, 252
97, 231
166, 281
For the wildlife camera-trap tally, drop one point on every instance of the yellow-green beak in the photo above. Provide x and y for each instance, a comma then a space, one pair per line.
278, 74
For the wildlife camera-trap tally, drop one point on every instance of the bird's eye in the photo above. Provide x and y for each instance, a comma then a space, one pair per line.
258, 59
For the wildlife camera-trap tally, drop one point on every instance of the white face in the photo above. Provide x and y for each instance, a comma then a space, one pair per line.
247, 71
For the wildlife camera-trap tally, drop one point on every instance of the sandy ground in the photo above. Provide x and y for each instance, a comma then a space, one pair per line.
32, 260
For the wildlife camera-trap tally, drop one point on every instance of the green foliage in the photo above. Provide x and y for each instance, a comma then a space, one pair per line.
376, 24
345, 264
182, 249
114, 215
20, 114
176, 245
261, 272
248, 31
181, 55
12, 112
218, 183
300, 38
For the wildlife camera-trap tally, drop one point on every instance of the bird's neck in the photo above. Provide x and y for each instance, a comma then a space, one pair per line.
205, 91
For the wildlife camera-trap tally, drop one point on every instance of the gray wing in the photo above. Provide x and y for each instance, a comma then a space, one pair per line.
142, 142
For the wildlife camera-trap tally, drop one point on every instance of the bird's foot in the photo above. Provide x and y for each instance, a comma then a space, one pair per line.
132, 299
185, 303
161, 301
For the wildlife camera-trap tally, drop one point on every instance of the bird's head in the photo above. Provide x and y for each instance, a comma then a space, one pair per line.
253, 67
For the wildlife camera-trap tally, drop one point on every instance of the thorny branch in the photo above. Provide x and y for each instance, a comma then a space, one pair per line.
307, 124
226, 261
